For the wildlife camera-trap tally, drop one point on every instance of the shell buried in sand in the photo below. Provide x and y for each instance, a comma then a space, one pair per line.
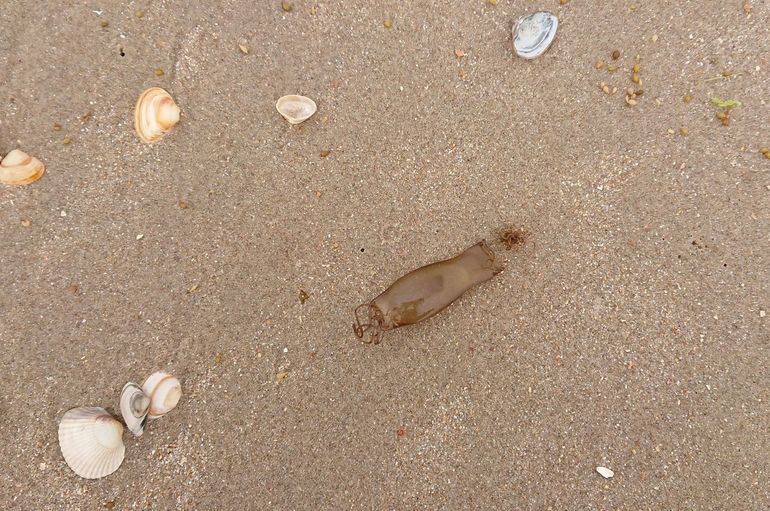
296, 109
91, 441
18, 168
533, 34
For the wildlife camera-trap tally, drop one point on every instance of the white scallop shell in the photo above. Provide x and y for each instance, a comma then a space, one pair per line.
533, 34
296, 109
91, 441
164, 391
134, 405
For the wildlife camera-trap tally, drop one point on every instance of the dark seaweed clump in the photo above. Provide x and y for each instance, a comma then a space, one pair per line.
512, 236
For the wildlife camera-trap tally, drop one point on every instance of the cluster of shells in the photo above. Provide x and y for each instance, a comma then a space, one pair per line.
91, 439
155, 114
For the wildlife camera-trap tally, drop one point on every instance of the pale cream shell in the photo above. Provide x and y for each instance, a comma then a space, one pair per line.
134, 406
155, 114
18, 168
296, 109
164, 391
91, 441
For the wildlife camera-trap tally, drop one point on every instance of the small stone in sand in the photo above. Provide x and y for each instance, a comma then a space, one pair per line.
244, 49
139, 236
684, 131
388, 23
286, 6
139, 13
66, 141
72, 288
183, 205
281, 376
159, 72
303, 296
56, 126
104, 23
615, 55
324, 153
605, 472
459, 53
26, 223
762, 313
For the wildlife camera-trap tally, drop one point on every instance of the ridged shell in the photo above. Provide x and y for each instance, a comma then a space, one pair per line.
533, 34
91, 441
155, 114
18, 168
296, 109
164, 391
134, 405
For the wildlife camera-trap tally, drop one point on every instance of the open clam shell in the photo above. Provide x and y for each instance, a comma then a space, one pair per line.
18, 168
533, 34
164, 391
91, 441
155, 114
296, 109
134, 406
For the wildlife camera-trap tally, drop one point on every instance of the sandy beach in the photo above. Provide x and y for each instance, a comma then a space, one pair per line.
630, 331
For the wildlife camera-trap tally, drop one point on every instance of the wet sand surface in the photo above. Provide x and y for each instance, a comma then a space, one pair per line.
629, 331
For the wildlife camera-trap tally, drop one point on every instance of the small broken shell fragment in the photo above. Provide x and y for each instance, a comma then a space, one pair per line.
605, 472
18, 168
295, 109
91, 441
164, 391
155, 114
533, 34
134, 405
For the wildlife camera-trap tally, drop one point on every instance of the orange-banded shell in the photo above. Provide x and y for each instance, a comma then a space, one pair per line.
155, 114
18, 168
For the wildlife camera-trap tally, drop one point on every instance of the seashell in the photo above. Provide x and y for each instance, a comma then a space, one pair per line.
296, 109
134, 406
164, 391
533, 34
91, 441
18, 168
155, 114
